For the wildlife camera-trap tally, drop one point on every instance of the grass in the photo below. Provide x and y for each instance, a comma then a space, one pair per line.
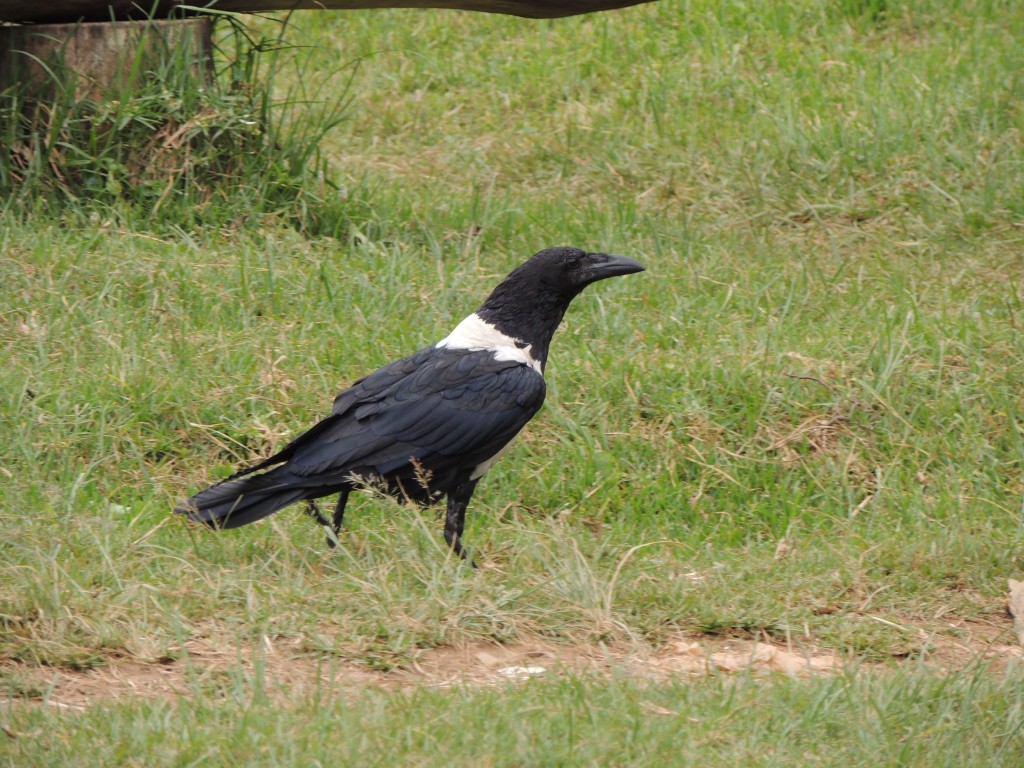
916, 719
802, 424
176, 142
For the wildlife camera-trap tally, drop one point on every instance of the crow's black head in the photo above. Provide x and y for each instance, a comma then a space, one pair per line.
530, 303
567, 271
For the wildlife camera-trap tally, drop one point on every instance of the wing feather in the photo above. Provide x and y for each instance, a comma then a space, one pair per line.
449, 410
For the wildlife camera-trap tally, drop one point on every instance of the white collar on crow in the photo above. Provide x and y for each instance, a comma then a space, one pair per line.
477, 334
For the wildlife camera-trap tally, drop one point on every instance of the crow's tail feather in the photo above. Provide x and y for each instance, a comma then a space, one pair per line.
242, 500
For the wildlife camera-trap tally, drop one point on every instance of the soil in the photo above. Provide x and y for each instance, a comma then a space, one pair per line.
289, 672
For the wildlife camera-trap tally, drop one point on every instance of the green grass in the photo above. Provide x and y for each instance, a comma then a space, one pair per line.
912, 719
175, 142
802, 424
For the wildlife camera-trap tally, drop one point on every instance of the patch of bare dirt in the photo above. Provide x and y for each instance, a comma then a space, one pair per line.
288, 672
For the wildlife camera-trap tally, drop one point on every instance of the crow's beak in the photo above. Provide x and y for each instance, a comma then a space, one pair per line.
604, 265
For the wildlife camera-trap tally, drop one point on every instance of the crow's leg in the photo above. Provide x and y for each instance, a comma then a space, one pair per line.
455, 520
334, 524
339, 516
313, 510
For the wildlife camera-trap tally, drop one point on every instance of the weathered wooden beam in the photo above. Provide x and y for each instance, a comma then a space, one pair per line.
70, 11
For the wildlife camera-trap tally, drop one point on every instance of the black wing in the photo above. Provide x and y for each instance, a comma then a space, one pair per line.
449, 413
439, 411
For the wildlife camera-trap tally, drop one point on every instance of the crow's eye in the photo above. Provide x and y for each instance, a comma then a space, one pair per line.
572, 262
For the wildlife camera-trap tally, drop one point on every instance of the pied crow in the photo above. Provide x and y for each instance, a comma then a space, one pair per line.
430, 424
